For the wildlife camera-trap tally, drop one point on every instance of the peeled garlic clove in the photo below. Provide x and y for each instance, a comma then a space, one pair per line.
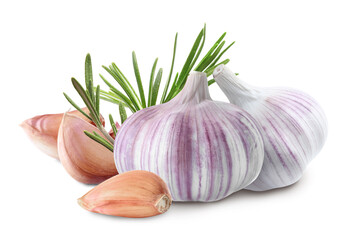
43, 131
204, 150
133, 194
84, 159
293, 126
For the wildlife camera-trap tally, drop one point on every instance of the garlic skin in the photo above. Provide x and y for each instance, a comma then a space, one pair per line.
204, 150
135, 194
43, 130
293, 127
84, 159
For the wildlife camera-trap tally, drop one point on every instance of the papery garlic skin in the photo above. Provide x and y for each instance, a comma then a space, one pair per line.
204, 150
84, 159
293, 127
43, 130
135, 194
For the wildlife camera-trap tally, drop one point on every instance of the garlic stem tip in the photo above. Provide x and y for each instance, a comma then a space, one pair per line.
218, 70
197, 73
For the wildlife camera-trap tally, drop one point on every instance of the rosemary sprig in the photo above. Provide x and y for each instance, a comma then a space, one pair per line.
76, 106
124, 99
170, 71
191, 59
203, 61
125, 85
207, 64
91, 96
92, 109
92, 102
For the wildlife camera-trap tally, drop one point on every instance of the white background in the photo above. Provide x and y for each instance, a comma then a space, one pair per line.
43, 44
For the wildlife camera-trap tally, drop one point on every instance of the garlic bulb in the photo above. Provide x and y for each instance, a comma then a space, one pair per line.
293, 127
204, 150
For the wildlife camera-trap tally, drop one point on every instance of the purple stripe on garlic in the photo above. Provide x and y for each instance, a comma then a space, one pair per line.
204, 150
293, 127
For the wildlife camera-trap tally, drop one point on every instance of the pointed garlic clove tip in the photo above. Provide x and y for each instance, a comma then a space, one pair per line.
43, 130
84, 159
83, 204
135, 194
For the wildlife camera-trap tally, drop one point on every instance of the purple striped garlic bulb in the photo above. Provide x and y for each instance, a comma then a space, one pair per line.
204, 150
293, 127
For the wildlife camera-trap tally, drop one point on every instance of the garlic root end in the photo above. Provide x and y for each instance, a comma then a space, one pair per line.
163, 204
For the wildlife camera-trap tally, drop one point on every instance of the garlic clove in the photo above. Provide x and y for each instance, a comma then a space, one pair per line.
43, 130
135, 194
84, 159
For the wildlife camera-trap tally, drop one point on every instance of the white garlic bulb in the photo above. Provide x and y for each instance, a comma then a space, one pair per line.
204, 150
293, 127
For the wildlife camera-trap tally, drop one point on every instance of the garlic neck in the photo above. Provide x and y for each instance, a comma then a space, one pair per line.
237, 91
195, 89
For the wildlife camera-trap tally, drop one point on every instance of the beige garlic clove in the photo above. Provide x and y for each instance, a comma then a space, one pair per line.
84, 159
134, 194
43, 130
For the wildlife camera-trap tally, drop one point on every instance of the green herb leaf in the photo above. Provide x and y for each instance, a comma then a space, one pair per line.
124, 79
114, 127
111, 97
93, 113
190, 58
173, 88
134, 101
156, 87
150, 95
97, 138
97, 99
89, 77
76, 106
122, 112
220, 55
197, 55
212, 57
138, 78
119, 94
210, 82
209, 53
87, 101
170, 71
